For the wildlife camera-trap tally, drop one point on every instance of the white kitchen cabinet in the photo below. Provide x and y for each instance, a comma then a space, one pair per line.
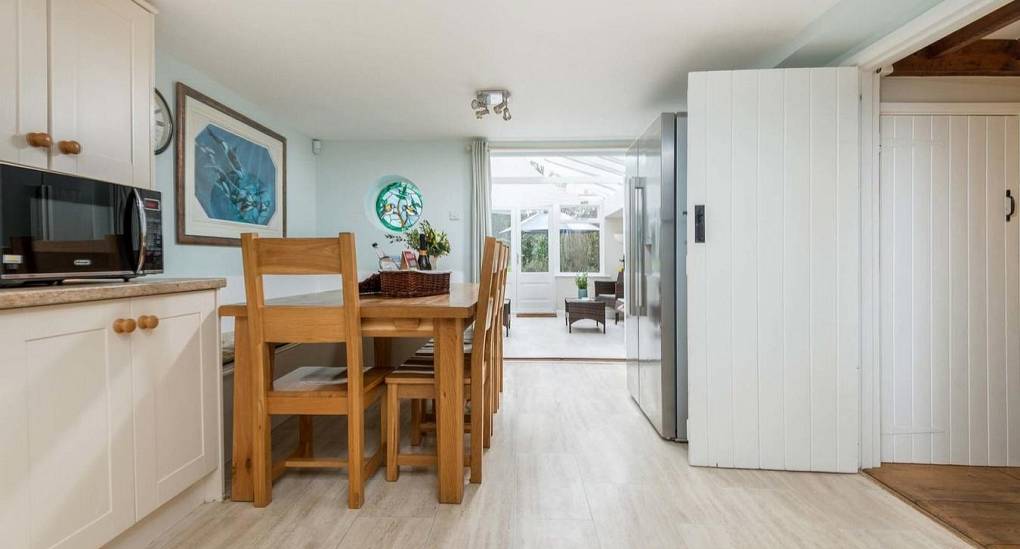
66, 421
102, 428
175, 370
23, 81
80, 74
101, 80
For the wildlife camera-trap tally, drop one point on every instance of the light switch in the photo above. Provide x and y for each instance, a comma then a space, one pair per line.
454, 216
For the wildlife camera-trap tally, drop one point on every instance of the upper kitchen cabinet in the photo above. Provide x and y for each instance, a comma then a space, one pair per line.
96, 57
101, 80
23, 81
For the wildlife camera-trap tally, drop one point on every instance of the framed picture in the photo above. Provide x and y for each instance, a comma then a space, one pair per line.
231, 174
410, 259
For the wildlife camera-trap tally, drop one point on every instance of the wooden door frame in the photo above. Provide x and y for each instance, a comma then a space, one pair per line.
874, 61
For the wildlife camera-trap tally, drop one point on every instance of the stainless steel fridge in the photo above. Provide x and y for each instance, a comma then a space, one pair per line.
655, 284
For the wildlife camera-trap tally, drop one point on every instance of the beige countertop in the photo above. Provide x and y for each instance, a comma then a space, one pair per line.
80, 291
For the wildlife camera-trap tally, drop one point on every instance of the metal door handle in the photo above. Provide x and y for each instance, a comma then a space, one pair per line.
142, 230
699, 223
1012, 204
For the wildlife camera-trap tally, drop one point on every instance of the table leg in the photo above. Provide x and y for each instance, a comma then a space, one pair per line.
240, 465
449, 364
381, 346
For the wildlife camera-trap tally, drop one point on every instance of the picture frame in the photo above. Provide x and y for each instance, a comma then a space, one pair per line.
410, 260
230, 173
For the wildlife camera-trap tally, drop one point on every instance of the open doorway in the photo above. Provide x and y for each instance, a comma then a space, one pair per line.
562, 215
950, 280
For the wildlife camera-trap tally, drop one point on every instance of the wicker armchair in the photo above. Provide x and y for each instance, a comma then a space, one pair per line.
608, 292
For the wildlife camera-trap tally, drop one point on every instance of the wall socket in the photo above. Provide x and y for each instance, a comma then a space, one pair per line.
454, 216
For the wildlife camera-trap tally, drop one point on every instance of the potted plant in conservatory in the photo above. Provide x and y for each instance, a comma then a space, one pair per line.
437, 241
582, 285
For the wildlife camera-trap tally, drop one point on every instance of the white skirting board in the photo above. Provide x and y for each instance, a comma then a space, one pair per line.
208, 490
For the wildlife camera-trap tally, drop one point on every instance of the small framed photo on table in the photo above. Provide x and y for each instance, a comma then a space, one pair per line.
410, 259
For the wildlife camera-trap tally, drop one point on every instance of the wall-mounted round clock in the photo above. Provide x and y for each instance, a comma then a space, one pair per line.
162, 123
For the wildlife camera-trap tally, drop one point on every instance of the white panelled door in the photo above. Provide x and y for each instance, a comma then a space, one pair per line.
950, 280
535, 285
774, 289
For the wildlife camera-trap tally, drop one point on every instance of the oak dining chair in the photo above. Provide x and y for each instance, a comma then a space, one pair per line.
415, 380
311, 390
421, 423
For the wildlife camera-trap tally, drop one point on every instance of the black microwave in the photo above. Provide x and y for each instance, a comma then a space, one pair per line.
55, 227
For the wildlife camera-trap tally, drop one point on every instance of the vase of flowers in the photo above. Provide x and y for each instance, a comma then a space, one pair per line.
438, 242
582, 285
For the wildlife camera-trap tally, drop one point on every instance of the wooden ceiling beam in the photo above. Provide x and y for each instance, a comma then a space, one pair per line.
982, 58
998, 19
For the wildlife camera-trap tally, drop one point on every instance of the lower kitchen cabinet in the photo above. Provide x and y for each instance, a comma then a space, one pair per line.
102, 420
175, 370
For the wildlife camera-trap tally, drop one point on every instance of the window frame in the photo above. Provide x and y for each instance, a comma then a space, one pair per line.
600, 220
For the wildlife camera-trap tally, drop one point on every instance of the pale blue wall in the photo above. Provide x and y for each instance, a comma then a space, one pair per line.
191, 260
347, 170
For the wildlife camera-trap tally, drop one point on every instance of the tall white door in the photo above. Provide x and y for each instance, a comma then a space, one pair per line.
774, 288
533, 270
950, 288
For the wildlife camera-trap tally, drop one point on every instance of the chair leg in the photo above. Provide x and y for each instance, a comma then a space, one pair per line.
478, 412
355, 452
417, 408
392, 406
305, 434
486, 413
262, 453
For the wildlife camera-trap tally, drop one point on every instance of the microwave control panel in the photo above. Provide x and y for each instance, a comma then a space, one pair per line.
152, 204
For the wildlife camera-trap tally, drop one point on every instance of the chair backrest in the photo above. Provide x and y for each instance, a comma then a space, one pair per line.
303, 323
483, 310
501, 260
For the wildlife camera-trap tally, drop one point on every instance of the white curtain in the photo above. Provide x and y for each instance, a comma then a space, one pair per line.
481, 202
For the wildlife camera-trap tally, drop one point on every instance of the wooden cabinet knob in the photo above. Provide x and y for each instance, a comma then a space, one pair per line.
148, 322
123, 325
69, 147
40, 140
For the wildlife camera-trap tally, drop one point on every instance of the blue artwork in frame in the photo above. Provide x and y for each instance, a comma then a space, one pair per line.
231, 174
235, 179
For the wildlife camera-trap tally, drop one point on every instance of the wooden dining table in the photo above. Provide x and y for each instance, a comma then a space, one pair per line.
443, 317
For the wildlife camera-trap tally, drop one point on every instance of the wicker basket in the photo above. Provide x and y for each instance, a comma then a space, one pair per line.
414, 283
371, 285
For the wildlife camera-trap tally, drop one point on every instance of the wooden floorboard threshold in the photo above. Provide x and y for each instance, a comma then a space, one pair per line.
908, 501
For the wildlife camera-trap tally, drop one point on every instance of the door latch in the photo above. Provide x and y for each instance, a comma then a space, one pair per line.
699, 223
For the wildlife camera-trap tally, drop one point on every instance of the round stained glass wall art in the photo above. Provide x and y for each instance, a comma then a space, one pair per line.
398, 204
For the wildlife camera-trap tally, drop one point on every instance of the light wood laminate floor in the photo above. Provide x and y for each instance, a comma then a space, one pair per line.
573, 464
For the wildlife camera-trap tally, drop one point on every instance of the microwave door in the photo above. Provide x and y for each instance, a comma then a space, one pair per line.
82, 229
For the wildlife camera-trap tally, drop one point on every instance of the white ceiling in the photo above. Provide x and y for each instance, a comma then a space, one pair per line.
401, 69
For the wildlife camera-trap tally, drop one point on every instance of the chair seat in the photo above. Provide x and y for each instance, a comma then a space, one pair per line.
325, 379
429, 348
419, 375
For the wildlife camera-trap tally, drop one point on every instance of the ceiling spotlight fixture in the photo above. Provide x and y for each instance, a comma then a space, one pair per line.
486, 101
